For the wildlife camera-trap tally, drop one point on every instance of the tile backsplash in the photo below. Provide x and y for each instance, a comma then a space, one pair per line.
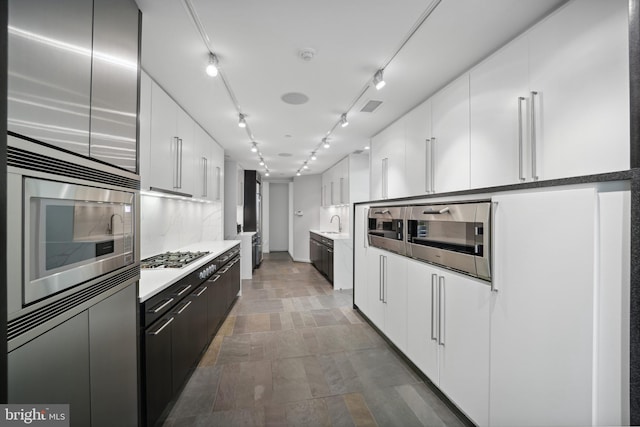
169, 224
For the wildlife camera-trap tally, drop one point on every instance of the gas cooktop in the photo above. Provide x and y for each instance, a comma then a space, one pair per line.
171, 259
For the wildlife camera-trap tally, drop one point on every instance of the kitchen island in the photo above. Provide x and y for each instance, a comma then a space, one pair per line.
342, 258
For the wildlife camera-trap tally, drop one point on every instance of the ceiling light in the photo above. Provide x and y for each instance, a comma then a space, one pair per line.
261, 162
212, 66
325, 143
298, 173
254, 148
241, 121
313, 156
343, 120
266, 173
378, 80
305, 166
367, 147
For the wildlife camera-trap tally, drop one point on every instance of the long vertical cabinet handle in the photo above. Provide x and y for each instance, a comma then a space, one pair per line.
433, 165
492, 268
380, 278
434, 309
176, 179
534, 143
385, 178
441, 303
365, 241
204, 176
427, 167
520, 142
179, 165
218, 178
384, 282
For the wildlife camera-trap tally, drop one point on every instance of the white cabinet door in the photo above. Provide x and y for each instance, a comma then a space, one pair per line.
542, 327
464, 343
395, 298
186, 154
418, 166
201, 165
422, 320
217, 171
498, 101
375, 166
387, 163
375, 282
163, 153
579, 68
360, 250
450, 122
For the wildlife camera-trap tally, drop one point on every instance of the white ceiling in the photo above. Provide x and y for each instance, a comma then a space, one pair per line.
258, 41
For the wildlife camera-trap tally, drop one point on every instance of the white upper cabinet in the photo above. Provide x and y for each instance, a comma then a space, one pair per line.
499, 103
336, 182
387, 166
579, 72
163, 152
450, 136
554, 103
418, 156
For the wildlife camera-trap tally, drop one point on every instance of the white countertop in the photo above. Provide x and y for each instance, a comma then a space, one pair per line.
247, 233
332, 235
153, 281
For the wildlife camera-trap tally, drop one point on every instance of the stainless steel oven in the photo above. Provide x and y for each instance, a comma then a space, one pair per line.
386, 228
455, 235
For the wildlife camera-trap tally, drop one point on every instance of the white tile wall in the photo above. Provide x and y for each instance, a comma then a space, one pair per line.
169, 224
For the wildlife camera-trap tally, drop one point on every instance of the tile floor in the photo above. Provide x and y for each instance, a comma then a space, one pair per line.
293, 352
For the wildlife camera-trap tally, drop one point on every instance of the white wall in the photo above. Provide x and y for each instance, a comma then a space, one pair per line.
278, 216
306, 198
169, 224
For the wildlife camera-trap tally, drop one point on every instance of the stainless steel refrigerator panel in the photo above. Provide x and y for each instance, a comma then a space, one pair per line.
114, 360
49, 71
54, 368
114, 86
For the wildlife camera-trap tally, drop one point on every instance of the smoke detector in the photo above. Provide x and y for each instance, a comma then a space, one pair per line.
306, 54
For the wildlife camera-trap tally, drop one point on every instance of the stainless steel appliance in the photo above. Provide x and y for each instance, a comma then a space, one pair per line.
172, 259
252, 212
386, 228
73, 233
455, 236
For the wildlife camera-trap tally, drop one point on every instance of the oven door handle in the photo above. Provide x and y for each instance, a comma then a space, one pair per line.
438, 212
382, 212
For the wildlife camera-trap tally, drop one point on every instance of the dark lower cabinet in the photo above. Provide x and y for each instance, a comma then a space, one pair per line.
158, 369
184, 350
321, 255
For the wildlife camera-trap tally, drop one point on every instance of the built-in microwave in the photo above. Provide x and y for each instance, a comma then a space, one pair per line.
455, 236
73, 233
386, 228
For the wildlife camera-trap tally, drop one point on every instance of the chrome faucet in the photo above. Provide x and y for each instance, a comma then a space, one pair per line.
339, 223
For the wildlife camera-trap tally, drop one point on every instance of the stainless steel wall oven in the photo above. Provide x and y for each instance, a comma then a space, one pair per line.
455, 235
386, 228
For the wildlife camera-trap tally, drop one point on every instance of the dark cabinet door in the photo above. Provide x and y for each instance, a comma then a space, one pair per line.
158, 385
200, 332
214, 304
234, 281
184, 347
330, 264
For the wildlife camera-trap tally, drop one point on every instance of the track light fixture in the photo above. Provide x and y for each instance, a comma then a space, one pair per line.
298, 173
241, 121
325, 143
305, 166
313, 156
266, 172
378, 79
212, 66
261, 162
343, 120
254, 148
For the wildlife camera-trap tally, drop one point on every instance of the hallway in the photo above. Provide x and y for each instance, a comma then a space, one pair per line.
293, 352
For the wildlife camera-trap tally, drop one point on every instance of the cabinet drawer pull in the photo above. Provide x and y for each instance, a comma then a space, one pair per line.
215, 278
184, 307
204, 289
164, 325
433, 165
185, 289
162, 305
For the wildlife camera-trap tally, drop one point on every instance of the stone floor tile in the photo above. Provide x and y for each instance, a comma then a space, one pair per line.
338, 412
308, 413
359, 411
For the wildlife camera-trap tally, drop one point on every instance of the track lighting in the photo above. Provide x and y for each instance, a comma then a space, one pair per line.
325, 143
313, 156
266, 173
298, 173
261, 162
378, 79
241, 121
343, 120
305, 166
254, 148
212, 66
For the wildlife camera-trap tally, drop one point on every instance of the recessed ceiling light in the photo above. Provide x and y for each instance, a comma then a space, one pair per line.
295, 98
